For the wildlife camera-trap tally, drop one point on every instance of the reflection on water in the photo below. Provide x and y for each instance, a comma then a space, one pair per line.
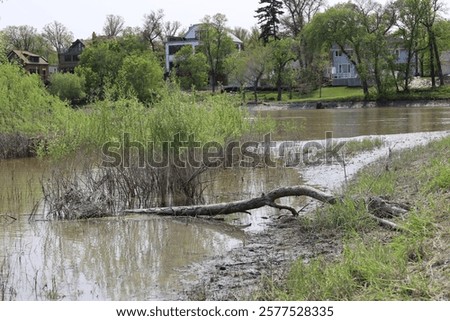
244, 183
139, 257
133, 258
126, 258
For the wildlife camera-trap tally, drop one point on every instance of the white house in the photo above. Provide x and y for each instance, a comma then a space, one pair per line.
344, 73
445, 62
191, 38
52, 69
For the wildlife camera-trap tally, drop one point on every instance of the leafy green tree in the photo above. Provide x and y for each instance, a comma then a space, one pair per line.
3, 58
268, 15
99, 65
236, 67
216, 44
442, 30
281, 55
253, 39
377, 21
410, 13
249, 67
141, 75
191, 68
101, 62
27, 107
298, 14
431, 10
68, 87
342, 25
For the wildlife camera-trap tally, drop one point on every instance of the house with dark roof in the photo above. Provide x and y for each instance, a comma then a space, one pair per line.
31, 62
70, 58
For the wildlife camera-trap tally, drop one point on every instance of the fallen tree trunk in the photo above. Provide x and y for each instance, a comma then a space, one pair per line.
241, 206
378, 208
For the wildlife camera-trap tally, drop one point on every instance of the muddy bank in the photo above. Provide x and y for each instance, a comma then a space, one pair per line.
265, 255
269, 254
350, 104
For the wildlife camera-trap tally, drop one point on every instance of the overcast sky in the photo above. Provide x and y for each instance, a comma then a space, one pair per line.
82, 17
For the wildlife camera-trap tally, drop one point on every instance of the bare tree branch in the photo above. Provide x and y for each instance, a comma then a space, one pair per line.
114, 25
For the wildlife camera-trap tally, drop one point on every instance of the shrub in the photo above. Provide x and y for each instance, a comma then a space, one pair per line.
68, 87
26, 107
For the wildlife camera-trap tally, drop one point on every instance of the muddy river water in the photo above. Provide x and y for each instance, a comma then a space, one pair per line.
140, 257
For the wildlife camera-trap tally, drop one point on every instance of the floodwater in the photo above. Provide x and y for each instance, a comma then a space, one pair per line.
141, 257
313, 124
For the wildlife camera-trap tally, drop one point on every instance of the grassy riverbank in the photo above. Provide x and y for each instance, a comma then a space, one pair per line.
378, 264
340, 94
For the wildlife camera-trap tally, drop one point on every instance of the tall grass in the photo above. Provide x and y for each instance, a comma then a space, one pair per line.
377, 264
209, 118
212, 118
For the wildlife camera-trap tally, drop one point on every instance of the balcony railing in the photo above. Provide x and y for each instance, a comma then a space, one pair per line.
344, 75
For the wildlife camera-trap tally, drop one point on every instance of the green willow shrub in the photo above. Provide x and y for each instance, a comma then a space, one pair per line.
141, 75
214, 118
26, 107
191, 68
68, 87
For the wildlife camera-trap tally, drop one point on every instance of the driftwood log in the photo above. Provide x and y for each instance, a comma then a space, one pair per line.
378, 208
241, 206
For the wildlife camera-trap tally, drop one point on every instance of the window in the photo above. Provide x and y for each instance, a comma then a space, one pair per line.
75, 58
344, 69
67, 58
338, 53
33, 59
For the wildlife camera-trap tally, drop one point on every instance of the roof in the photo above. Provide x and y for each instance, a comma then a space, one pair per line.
25, 56
190, 34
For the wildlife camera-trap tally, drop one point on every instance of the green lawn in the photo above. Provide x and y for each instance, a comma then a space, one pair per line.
352, 93
327, 93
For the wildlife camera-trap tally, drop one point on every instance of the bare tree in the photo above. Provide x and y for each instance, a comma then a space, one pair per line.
21, 37
114, 25
58, 36
170, 29
300, 12
153, 27
132, 31
242, 33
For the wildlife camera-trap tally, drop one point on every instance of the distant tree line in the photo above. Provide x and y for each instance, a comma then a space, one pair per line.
288, 50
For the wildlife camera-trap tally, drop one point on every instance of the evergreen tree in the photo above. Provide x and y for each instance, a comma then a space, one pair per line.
268, 18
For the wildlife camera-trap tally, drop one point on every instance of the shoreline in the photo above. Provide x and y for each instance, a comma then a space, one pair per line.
270, 253
350, 104
320, 175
